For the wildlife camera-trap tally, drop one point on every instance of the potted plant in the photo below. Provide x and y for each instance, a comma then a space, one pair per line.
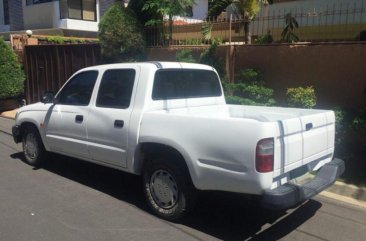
11, 78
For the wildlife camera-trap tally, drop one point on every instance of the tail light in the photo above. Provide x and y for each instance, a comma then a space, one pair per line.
264, 155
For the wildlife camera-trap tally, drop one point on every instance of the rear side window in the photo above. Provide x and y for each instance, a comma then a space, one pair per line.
79, 89
116, 88
185, 83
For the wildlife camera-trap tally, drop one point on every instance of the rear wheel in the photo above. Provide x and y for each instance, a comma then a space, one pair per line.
168, 189
33, 149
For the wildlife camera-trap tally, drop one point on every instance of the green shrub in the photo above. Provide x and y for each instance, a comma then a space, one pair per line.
340, 126
55, 39
249, 94
210, 57
185, 55
350, 131
264, 39
120, 35
192, 41
236, 100
358, 123
250, 76
301, 97
11, 74
360, 119
249, 90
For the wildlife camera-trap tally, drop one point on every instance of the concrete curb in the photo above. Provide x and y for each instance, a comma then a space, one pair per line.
7, 117
342, 198
348, 190
10, 114
337, 190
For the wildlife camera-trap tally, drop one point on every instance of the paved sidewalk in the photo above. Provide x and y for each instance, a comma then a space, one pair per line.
338, 190
6, 124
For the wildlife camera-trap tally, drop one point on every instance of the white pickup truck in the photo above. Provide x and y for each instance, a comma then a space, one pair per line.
169, 123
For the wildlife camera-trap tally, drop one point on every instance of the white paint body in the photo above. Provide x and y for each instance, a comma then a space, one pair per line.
217, 141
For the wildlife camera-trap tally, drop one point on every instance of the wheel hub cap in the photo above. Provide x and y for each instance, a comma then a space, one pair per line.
164, 189
30, 146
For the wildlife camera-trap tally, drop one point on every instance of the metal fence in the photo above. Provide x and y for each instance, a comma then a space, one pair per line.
329, 22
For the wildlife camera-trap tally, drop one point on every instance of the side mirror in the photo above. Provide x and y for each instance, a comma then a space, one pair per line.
47, 97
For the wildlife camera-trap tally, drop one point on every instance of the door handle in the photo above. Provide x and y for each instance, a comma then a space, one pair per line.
79, 118
309, 126
118, 123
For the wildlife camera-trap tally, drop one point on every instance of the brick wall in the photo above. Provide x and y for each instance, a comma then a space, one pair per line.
335, 70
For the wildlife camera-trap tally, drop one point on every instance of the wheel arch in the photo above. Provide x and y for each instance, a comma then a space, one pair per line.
24, 124
145, 150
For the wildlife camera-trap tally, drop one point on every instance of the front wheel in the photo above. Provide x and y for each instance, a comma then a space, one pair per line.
33, 149
168, 189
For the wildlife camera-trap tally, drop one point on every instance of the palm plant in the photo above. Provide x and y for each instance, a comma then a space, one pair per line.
288, 33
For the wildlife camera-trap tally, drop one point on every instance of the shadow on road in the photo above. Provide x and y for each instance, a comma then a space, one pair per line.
225, 216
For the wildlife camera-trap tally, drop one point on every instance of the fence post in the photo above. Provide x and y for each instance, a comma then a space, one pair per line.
230, 62
231, 20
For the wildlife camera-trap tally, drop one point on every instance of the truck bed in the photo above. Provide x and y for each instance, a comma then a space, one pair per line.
304, 138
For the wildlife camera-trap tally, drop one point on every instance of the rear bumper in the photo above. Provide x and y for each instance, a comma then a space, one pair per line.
290, 195
17, 135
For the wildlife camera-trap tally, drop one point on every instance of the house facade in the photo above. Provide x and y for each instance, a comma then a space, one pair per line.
77, 15
4, 16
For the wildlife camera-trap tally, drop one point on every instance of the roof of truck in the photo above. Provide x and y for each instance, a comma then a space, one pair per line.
153, 64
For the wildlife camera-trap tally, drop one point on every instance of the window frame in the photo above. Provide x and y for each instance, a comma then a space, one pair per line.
185, 97
69, 81
66, 15
132, 89
34, 2
6, 12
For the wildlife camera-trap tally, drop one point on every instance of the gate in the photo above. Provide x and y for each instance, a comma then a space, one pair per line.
47, 67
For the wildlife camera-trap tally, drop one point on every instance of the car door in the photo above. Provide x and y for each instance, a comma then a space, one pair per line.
65, 122
109, 118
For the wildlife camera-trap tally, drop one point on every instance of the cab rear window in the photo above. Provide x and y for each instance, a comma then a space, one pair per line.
185, 83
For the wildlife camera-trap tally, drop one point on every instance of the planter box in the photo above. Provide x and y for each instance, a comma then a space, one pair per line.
9, 104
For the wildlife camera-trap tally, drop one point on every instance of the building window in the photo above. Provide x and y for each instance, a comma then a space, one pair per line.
6, 12
78, 9
31, 2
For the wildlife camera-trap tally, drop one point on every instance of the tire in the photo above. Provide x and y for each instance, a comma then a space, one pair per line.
33, 149
168, 189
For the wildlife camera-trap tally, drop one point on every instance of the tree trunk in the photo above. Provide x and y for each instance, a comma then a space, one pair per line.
247, 37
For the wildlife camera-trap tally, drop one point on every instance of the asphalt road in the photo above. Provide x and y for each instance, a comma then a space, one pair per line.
70, 200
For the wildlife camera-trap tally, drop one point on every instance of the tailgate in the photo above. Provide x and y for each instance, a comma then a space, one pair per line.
305, 139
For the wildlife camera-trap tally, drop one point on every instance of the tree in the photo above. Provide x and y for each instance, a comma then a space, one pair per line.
246, 9
163, 8
288, 34
210, 57
11, 74
120, 35
144, 16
